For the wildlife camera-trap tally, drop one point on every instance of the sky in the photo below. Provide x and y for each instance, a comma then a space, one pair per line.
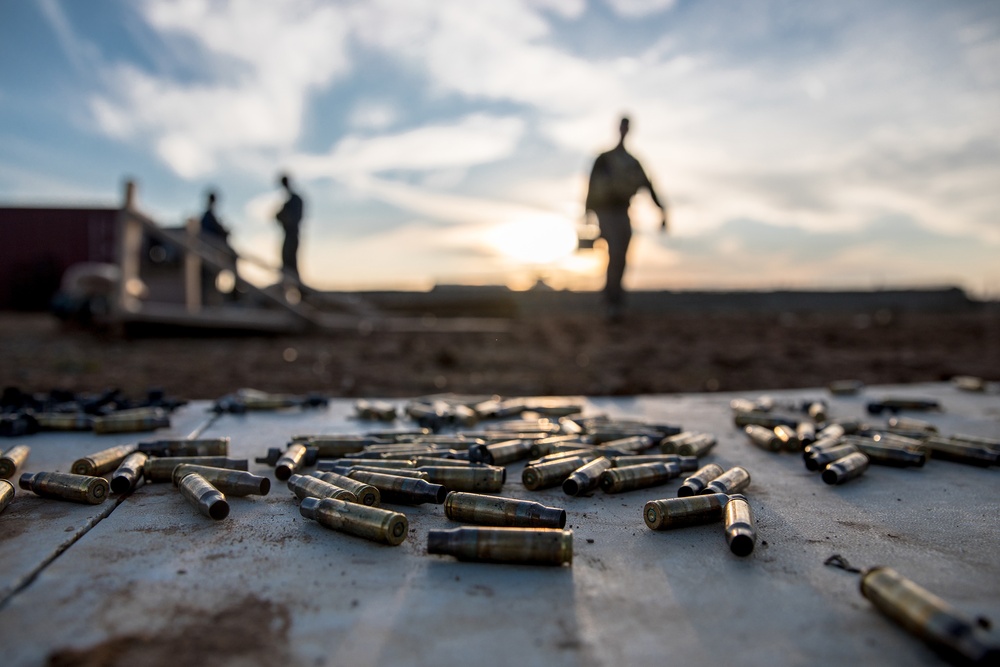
853, 144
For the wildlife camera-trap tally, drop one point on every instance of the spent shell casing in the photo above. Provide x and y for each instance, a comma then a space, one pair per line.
478, 478
759, 418
845, 468
733, 480
66, 486
909, 424
205, 497
586, 478
819, 459
102, 461
128, 473
669, 444
634, 443
13, 459
380, 410
586, 453
64, 421
644, 475
230, 482
161, 469
928, 617
822, 444
789, 437
817, 410
193, 447
6, 493
960, 452
670, 513
500, 453
989, 443
555, 443
741, 529
537, 546
291, 461
806, 433
402, 490
697, 482
418, 461
763, 437
899, 404
412, 473
306, 486
685, 463
366, 494
498, 511
698, 446
133, 422
371, 523
845, 387
552, 473
368, 463
886, 454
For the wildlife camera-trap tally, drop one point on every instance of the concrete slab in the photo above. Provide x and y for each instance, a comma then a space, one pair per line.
35, 529
155, 582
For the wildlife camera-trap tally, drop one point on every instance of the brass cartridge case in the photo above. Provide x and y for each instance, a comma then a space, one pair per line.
102, 461
555, 443
789, 437
669, 444
741, 529
66, 486
928, 617
306, 486
759, 418
821, 445
806, 433
897, 404
366, 494
960, 452
818, 460
402, 490
498, 511
418, 461
194, 447
293, 459
845, 387
478, 479
846, 468
632, 444
370, 463
585, 453
763, 437
552, 473
64, 421
128, 473
670, 513
889, 455
698, 446
733, 480
206, 498
161, 469
371, 523
744, 405
500, 453
537, 546
6, 493
412, 473
132, 421
989, 443
644, 475
331, 448
969, 383
13, 459
380, 410
817, 410
231, 482
696, 483
909, 425
685, 463
586, 478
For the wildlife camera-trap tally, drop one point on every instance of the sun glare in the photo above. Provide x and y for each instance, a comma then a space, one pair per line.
533, 241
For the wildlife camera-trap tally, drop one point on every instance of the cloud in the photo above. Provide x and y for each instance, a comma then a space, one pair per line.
640, 8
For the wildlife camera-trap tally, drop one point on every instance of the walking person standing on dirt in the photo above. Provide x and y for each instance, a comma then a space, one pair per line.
615, 178
290, 219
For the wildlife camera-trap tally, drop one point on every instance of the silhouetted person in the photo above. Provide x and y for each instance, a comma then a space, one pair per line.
215, 234
615, 178
290, 218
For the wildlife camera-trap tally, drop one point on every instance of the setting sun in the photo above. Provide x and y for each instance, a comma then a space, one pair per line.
533, 241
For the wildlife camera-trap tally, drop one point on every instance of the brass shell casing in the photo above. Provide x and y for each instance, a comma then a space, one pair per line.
498, 511
193, 447
733, 480
205, 497
741, 529
161, 469
538, 546
402, 490
669, 513
697, 482
700, 445
128, 473
7, 492
13, 459
366, 494
764, 437
585, 479
230, 482
552, 473
64, 421
293, 459
103, 461
641, 476
132, 421
371, 523
305, 486
846, 468
476, 479
66, 486
500, 453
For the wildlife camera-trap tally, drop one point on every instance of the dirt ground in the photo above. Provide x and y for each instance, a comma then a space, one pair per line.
558, 354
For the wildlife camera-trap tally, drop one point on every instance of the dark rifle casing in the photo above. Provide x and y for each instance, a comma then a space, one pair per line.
13, 459
6, 493
697, 482
161, 469
741, 529
366, 494
103, 461
206, 498
305, 486
498, 511
586, 478
371, 523
670, 513
538, 546
128, 473
641, 476
846, 468
552, 473
230, 482
402, 490
733, 480
477, 478
66, 486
